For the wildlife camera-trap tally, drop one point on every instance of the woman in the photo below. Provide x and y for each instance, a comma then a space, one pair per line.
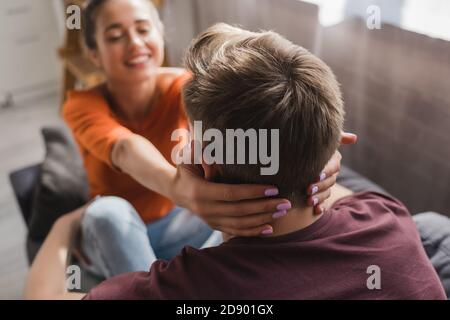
123, 130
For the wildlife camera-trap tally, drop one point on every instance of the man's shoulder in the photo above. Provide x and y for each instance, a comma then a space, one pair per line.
372, 202
372, 213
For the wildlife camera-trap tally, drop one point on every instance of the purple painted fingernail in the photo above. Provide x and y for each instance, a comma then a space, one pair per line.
279, 214
267, 231
323, 176
315, 189
271, 192
315, 201
284, 206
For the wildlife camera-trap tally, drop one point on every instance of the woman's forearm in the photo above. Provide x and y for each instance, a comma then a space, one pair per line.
47, 275
139, 158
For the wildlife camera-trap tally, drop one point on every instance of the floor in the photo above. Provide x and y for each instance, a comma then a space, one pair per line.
20, 145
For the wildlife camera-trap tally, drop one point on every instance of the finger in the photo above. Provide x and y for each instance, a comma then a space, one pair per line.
318, 210
264, 230
184, 150
189, 153
319, 198
249, 207
348, 138
332, 167
235, 192
188, 162
249, 222
322, 185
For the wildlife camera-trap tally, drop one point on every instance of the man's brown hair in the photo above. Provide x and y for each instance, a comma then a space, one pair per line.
260, 80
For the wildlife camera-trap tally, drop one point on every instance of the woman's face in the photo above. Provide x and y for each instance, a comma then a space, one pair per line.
130, 45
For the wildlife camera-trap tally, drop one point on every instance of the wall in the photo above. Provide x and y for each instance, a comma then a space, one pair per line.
28, 49
184, 19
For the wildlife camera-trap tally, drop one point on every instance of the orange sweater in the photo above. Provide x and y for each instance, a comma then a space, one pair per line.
96, 128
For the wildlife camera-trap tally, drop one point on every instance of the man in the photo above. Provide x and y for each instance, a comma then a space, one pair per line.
247, 80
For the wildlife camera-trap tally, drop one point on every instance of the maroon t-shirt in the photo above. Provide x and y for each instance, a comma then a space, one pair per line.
330, 259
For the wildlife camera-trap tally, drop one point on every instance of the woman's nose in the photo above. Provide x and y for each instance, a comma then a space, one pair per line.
135, 40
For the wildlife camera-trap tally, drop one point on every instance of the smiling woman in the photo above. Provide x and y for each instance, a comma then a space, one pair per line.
110, 32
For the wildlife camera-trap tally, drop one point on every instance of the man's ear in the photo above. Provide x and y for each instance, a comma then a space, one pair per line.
94, 57
211, 171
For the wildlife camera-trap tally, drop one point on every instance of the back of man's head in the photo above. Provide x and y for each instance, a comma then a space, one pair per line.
248, 80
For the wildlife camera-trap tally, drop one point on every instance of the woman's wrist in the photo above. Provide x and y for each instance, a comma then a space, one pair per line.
168, 184
65, 225
70, 223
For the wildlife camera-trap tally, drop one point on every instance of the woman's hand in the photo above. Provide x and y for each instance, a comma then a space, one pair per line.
47, 276
238, 210
72, 222
244, 210
321, 190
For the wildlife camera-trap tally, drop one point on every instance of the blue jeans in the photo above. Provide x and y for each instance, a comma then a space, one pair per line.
116, 240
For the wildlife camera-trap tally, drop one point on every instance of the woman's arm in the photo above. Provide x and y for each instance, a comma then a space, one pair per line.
216, 203
47, 275
241, 210
139, 158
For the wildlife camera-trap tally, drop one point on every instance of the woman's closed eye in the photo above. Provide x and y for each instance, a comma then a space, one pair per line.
143, 31
114, 36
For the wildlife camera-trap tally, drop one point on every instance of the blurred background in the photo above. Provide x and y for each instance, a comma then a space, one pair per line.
395, 77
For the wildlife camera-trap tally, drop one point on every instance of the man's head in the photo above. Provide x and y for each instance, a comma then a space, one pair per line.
247, 80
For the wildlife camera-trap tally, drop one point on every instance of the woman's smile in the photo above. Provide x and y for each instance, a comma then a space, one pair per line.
138, 61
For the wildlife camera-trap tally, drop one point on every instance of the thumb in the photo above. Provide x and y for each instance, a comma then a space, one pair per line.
192, 158
348, 138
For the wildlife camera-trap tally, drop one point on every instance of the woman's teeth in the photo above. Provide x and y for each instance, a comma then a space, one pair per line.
138, 60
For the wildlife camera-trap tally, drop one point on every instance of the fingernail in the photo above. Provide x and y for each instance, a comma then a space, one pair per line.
284, 206
323, 176
279, 214
351, 135
271, 192
315, 201
267, 231
314, 190
320, 210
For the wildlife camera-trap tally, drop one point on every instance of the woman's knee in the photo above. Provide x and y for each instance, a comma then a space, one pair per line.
111, 213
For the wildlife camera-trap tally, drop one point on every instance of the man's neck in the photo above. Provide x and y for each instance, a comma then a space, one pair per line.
302, 217
296, 219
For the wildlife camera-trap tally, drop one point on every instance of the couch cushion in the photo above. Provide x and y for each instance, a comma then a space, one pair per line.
23, 182
62, 185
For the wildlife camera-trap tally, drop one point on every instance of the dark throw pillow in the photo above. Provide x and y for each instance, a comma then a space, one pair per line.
62, 186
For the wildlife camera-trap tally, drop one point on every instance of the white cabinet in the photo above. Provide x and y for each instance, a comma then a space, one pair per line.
28, 48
